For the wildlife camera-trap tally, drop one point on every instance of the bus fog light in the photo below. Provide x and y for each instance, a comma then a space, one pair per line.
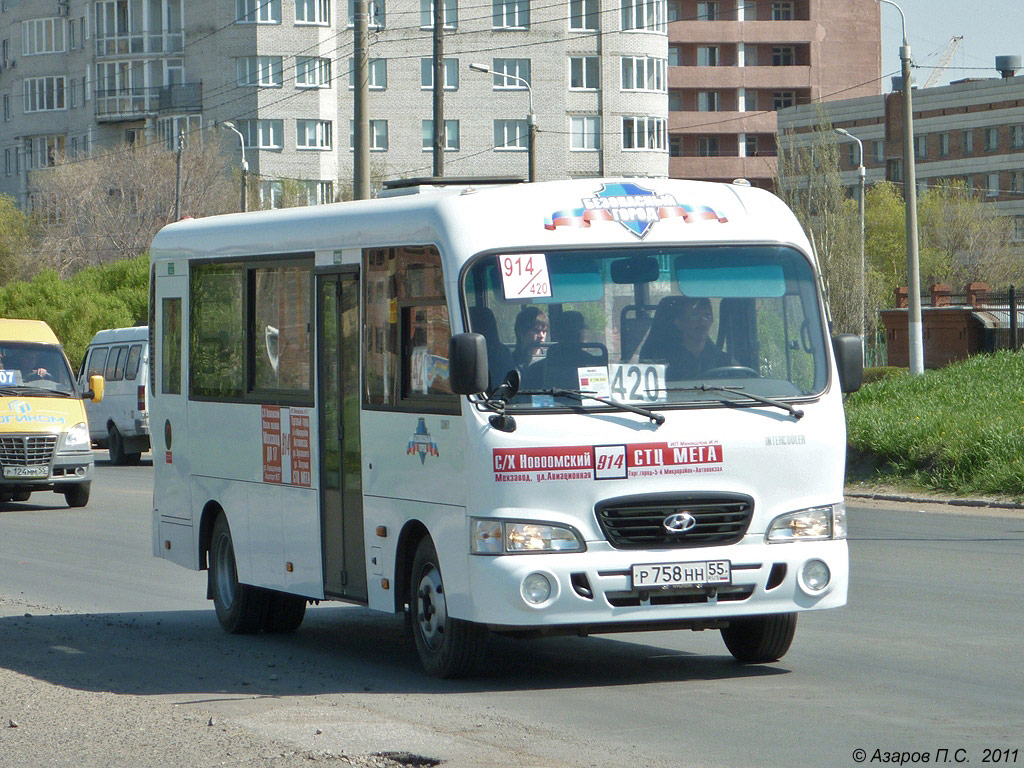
815, 575
536, 588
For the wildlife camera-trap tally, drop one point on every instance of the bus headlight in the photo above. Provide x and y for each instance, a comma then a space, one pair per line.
814, 524
495, 537
77, 438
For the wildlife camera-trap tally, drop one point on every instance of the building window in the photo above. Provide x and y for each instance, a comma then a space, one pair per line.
584, 133
992, 189
312, 72
510, 14
675, 101
1017, 136
511, 135
1016, 182
707, 56
707, 146
749, 101
640, 73
644, 132
312, 11
644, 14
584, 73
375, 8
1018, 228
8, 162
783, 56
451, 135
42, 36
378, 69
750, 146
583, 14
782, 11
878, 150
675, 55
7, 106
451, 74
943, 144
968, 142
920, 147
44, 94
675, 146
674, 10
707, 101
783, 99
707, 11
507, 70
263, 71
262, 134
451, 14
991, 139
378, 135
314, 134
258, 11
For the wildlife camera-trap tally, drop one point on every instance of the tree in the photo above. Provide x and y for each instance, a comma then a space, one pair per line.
14, 239
809, 182
108, 207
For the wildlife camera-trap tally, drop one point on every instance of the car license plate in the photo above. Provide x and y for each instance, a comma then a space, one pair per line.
682, 574
42, 471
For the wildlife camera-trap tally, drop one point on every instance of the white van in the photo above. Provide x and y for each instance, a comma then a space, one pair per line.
120, 422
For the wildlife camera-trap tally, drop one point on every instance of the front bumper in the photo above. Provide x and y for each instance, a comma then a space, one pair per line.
66, 468
592, 591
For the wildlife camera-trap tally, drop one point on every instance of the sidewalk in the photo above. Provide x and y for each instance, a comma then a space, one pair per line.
881, 493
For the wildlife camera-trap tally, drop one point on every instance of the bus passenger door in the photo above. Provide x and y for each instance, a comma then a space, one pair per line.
340, 458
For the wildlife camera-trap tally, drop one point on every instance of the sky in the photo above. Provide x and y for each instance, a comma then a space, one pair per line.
990, 28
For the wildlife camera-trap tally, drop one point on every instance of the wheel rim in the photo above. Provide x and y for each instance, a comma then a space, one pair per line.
431, 609
225, 580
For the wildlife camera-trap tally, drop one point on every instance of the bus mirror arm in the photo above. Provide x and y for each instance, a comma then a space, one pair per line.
498, 399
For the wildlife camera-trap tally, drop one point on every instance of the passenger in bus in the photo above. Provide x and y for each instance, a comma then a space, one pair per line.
560, 368
692, 353
531, 329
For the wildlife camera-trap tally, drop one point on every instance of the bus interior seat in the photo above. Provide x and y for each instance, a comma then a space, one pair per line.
499, 358
634, 323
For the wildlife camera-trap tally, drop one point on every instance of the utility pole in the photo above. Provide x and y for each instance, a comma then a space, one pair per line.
177, 178
439, 134
361, 150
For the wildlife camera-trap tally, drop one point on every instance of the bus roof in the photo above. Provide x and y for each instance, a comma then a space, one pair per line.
27, 330
467, 220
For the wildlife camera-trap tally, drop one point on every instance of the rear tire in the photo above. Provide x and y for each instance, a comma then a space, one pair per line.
284, 612
447, 647
115, 445
78, 495
21, 495
241, 608
760, 639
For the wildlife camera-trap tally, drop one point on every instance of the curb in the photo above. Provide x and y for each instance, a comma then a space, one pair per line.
954, 502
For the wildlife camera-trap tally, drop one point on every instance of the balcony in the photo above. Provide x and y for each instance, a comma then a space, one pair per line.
761, 168
722, 122
749, 32
711, 78
128, 104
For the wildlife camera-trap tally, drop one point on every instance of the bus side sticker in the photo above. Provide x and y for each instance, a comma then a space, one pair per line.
605, 462
286, 446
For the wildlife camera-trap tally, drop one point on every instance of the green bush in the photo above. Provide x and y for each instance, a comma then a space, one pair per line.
871, 375
957, 429
111, 296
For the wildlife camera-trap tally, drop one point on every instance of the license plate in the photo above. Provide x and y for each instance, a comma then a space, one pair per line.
682, 574
43, 471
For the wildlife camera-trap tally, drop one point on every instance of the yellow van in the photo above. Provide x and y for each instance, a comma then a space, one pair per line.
44, 435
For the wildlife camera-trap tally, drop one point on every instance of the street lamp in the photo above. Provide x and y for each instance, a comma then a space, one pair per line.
245, 166
530, 118
915, 340
860, 173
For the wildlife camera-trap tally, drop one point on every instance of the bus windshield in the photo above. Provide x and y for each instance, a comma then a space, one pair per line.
654, 327
34, 368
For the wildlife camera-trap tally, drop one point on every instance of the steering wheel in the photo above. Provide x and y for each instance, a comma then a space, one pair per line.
730, 372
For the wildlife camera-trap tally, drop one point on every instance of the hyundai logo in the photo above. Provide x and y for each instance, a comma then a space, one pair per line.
679, 523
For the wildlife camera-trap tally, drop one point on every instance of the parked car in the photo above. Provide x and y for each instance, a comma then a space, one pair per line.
120, 422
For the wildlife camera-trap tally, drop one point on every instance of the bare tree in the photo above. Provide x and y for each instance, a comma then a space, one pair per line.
108, 207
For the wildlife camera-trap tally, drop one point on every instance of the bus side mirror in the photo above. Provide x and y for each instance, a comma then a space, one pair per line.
849, 352
467, 363
95, 392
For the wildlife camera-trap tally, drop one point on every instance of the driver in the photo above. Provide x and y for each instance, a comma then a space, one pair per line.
694, 353
36, 370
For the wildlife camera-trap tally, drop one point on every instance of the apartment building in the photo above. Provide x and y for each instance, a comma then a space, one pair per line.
734, 63
971, 131
77, 77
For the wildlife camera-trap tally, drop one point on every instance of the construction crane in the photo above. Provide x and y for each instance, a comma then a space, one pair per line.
947, 55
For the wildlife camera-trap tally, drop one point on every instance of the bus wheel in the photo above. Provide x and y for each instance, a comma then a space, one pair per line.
447, 647
77, 495
284, 612
240, 607
760, 639
115, 446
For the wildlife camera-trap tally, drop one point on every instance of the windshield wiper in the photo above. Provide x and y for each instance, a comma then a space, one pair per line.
27, 390
796, 413
581, 395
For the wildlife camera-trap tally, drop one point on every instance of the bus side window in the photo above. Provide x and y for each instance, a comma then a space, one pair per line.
170, 348
115, 364
97, 362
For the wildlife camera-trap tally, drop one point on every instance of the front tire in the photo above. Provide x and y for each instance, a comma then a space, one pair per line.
284, 612
78, 495
241, 608
760, 639
447, 647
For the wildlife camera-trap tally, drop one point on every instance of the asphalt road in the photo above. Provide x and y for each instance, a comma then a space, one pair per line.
120, 661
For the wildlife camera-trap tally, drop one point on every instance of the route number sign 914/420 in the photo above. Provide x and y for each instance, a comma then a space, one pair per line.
682, 574
525, 276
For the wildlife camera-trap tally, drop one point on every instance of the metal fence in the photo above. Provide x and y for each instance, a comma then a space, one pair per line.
1002, 314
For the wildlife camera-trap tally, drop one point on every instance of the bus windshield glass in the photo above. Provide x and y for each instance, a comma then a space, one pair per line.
34, 369
650, 326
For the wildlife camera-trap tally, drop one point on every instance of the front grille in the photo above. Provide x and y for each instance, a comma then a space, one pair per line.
26, 450
635, 599
635, 522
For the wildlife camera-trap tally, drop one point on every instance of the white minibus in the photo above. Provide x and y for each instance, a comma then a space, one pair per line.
588, 406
